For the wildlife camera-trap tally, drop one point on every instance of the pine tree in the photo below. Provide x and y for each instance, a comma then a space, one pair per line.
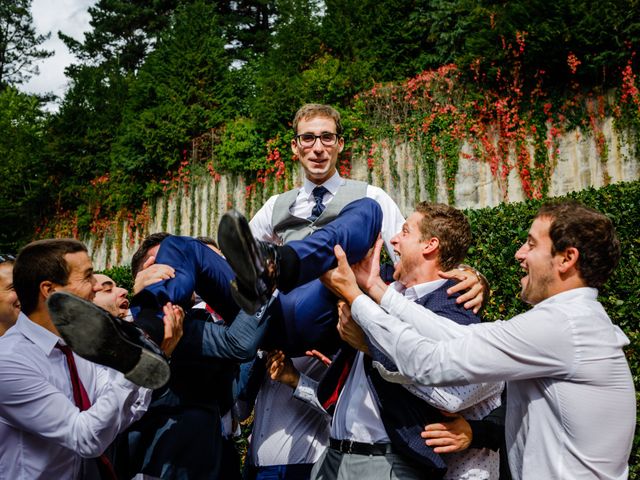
19, 43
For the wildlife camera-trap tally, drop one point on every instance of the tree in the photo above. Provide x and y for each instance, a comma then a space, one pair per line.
247, 26
379, 41
19, 44
182, 90
24, 178
540, 36
279, 83
123, 32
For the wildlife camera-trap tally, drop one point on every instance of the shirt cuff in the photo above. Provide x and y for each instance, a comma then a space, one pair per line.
306, 389
118, 378
363, 308
392, 376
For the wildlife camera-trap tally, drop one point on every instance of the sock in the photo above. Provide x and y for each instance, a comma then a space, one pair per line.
289, 269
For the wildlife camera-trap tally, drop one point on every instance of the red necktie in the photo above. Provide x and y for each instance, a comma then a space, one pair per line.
335, 378
82, 401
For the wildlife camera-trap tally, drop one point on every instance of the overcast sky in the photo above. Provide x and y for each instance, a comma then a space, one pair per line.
70, 17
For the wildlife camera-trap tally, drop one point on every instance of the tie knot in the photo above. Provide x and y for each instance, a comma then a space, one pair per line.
318, 193
65, 348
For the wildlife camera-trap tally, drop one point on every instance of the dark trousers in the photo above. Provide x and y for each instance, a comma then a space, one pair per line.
300, 319
299, 471
183, 443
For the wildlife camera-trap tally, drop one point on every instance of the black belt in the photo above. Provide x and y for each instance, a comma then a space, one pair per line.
359, 448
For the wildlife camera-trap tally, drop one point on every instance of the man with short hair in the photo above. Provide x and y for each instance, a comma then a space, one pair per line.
111, 297
288, 437
571, 401
57, 410
182, 433
9, 304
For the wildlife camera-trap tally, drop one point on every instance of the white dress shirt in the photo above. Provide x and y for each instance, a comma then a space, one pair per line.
392, 218
43, 434
571, 403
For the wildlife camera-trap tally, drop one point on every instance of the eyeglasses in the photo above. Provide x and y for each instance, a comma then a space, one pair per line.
327, 139
5, 257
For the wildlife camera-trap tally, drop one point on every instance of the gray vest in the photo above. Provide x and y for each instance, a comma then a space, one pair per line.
290, 228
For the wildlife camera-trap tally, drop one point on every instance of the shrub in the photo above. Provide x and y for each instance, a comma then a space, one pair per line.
121, 275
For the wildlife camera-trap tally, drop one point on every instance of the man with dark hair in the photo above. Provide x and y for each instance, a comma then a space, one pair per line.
570, 391
57, 410
181, 433
148, 248
111, 297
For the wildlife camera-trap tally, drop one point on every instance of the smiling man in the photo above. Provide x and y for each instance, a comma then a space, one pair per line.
9, 303
58, 412
571, 402
318, 141
111, 297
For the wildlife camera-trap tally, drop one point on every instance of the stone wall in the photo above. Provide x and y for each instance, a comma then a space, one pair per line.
578, 166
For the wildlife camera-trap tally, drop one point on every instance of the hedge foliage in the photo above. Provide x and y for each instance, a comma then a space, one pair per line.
499, 232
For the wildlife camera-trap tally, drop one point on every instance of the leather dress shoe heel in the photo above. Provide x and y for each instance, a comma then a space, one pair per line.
98, 336
256, 264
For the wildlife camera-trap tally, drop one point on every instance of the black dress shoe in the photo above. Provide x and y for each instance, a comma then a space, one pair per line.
98, 336
256, 264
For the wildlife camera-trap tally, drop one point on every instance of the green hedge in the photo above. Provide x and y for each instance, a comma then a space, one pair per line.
122, 276
499, 232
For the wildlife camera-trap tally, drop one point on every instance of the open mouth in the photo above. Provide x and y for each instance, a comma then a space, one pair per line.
124, 305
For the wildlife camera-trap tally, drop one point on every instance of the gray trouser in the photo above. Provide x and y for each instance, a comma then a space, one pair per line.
335, 465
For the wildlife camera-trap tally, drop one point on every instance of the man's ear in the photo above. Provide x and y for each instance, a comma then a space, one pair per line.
431, 245
568, 259
47, 288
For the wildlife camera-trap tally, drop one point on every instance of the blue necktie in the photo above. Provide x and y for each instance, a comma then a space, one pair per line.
318, 208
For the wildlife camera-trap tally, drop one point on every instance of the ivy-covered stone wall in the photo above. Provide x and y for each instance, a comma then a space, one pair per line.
196, 201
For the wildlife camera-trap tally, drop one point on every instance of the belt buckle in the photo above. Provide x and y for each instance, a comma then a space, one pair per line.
349, 446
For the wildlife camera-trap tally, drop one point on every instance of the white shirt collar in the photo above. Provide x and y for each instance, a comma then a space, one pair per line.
40, 336
332, 185
588, 293
419, 290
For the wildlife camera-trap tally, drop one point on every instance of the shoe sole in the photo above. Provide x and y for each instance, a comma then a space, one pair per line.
249, 303
91, 333
236, 242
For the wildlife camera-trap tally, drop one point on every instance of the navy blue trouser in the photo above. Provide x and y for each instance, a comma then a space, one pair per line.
162, 444
300, 319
